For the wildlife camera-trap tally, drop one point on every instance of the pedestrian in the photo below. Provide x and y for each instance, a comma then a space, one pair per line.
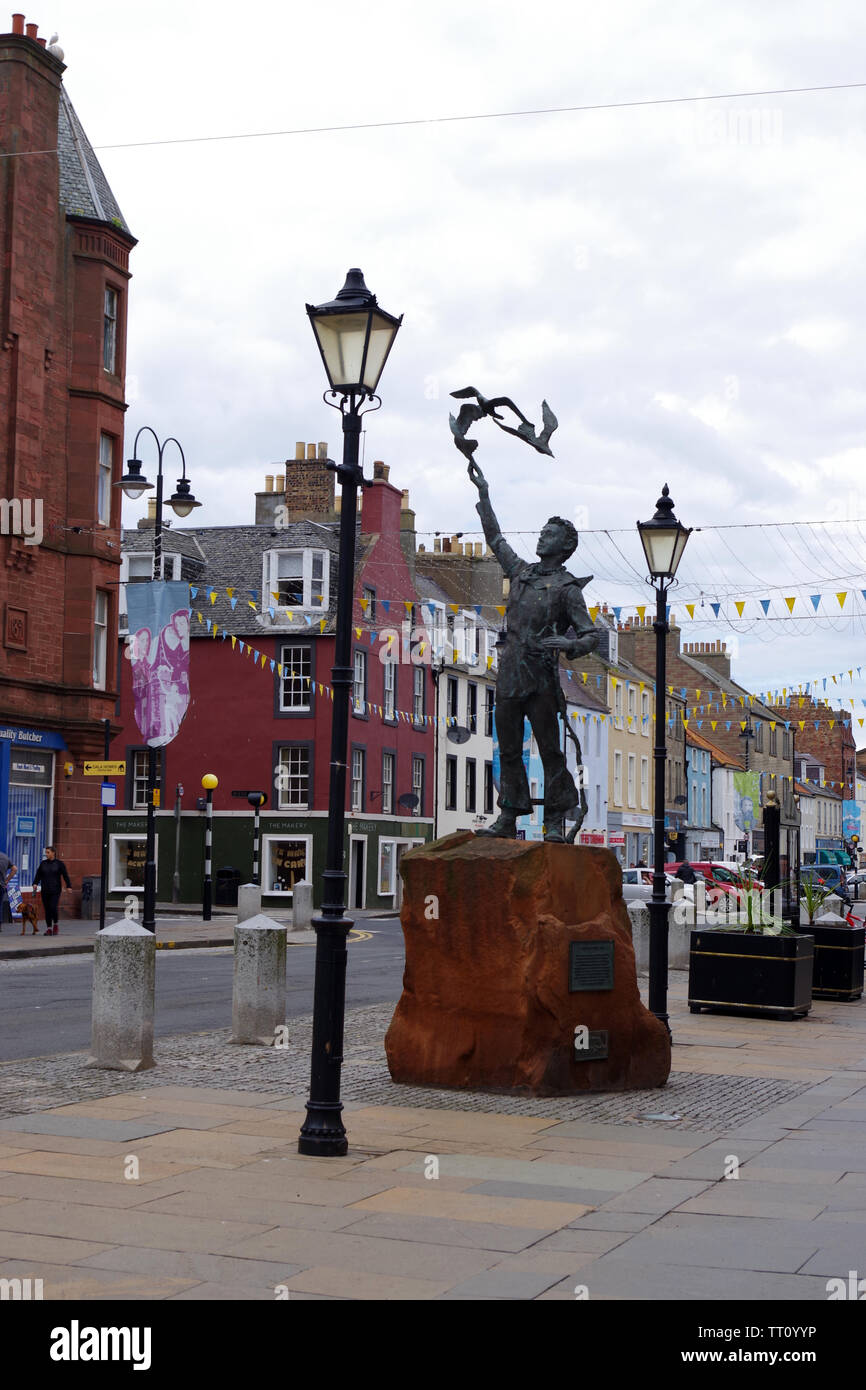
686, 873
48, 878
7, 871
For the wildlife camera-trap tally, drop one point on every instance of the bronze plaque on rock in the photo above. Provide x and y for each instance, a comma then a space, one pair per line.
590, 965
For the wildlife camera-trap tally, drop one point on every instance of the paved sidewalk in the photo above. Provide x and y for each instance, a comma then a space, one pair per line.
76, 936
185, 1182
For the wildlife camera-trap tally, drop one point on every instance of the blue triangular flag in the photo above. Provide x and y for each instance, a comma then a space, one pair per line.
273, 664
715, 607
309, 620
233, 604
209, 624
765, 604
272, 613
386, 604
816, 599
193, 588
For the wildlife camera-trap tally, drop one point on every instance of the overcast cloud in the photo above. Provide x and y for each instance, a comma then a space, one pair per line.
684, 284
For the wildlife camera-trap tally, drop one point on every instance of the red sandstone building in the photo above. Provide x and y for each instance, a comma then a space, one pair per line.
64, 273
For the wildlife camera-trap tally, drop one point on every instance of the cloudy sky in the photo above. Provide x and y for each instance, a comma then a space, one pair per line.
683, 282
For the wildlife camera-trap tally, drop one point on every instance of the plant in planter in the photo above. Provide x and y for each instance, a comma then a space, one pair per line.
839, 949
750, 961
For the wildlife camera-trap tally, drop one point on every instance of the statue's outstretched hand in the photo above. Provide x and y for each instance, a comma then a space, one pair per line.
477, 477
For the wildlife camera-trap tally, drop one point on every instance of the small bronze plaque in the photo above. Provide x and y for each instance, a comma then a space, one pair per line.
596, 1048
590, 965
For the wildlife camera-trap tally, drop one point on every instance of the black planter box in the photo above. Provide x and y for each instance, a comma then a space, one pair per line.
839, 953
750, 973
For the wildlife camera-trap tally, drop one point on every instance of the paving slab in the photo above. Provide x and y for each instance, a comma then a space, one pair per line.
657, 1195
467, 1206
533, 1171
85, 1126
109, 1226
73, 1283
511, 1285
616, 1277
182, 1264
442, 1230
365, 1254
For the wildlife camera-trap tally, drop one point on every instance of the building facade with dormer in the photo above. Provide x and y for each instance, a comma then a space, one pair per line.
263, 601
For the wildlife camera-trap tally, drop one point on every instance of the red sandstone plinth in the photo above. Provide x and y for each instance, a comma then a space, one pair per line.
486, 1002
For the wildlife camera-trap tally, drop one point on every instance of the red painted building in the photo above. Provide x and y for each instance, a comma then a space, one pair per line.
260, 710
64, 272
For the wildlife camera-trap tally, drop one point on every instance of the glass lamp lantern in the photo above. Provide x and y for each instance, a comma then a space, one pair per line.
663, 539
354, 336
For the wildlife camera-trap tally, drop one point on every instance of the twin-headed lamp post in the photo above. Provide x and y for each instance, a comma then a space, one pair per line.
182, 502
664, 541
355, 337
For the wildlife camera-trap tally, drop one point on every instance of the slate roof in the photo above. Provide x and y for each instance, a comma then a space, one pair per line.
232, 558
719, 756
84, 190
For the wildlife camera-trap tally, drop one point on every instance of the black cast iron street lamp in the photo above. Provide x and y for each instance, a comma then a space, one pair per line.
182, 503
664, 541
355, 337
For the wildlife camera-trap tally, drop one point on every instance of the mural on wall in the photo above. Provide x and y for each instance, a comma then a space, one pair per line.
158, 649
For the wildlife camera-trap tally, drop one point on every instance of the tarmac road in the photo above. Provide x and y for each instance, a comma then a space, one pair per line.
45, 1004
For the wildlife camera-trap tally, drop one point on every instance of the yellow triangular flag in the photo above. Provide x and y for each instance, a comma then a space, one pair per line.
234, 641
230, 593
585, 674
739, 604
713, 723
743, 724
280, 668
212, 596
641, 611
364, 602
842, 597
832, 722
802, 724
790, 602
500, 608
322, 624
357, 632
593, 613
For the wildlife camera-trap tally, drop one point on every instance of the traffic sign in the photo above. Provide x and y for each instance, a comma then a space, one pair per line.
109, 794
104, 769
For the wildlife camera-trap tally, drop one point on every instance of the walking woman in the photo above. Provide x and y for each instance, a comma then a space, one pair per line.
48, 879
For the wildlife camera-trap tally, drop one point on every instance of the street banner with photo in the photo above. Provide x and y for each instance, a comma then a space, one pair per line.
158, 648
850, 818
747, 800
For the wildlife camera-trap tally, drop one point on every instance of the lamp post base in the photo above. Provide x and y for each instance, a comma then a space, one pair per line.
323, 1134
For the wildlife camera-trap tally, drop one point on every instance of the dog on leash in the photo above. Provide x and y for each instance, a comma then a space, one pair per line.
29, 914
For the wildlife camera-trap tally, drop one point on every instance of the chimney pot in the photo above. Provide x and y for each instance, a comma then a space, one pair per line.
269, 482
279, 483
437, 546
404, 500
300, 450
32, 30
323, 450
478, 548
18, 24
422, 548
446, 545
338, 503
311, 451
151, 509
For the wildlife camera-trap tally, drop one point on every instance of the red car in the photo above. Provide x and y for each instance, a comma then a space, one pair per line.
720, 880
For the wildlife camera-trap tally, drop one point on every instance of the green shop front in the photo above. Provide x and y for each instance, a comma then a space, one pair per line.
292, 850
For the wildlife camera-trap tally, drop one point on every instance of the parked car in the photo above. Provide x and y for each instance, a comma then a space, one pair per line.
637, 885
830, 876
721, 880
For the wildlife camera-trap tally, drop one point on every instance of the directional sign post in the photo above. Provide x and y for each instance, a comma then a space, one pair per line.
104, 769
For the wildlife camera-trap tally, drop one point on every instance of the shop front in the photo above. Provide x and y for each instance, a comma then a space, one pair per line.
28, 760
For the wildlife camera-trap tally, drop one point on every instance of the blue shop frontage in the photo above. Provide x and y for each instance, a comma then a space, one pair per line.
28, 759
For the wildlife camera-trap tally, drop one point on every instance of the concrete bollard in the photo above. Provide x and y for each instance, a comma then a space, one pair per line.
640, 929
259, 987
249, 901
831, 906
124, 974
302, 906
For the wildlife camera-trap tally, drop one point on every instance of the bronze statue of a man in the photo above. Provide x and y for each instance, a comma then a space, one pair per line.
545, 603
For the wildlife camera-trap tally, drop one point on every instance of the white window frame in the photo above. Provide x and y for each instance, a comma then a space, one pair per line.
389, 700
645, 714
632, 703
296, 678
359, 760
617, 705
418, 694
418, 767
267, 886
270, 579
389, 765
631, 773
644, 783
105, 471
617, 777
283, 792
100, 639
139, 803
359, 703
115, 885
110, 313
